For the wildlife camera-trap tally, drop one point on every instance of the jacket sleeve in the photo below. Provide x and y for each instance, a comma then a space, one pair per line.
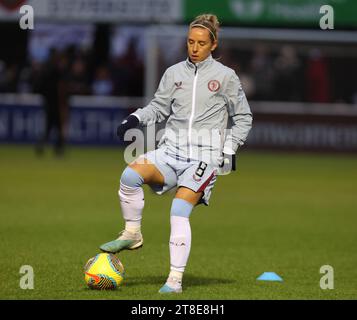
240, 116
159, 107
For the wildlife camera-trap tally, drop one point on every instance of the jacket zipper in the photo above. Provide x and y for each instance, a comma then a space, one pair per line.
192, 112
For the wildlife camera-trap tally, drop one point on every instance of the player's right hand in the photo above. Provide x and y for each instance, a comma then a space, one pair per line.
128, 123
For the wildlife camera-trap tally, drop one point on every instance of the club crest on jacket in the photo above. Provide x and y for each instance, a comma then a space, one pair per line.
214, 85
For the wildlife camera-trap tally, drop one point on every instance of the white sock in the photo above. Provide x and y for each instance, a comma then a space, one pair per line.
133, 226
176, 274
180, 243
132, 205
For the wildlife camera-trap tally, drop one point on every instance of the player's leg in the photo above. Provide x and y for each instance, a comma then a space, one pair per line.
188, 195
131, 196
59, 142
39, 149
180, 237
131, 193
195, 185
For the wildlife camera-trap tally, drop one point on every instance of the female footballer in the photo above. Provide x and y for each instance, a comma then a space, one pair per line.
208, 119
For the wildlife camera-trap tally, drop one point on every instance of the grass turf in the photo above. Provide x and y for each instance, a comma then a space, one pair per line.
287, 213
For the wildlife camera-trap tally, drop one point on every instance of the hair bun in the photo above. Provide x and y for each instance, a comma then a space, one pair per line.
213, 19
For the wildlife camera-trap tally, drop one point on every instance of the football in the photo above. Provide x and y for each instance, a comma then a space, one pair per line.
104, 272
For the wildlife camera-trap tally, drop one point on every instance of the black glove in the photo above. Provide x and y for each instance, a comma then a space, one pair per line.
128, 123
228, 164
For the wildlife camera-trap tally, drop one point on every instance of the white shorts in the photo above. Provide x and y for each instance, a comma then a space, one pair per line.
181, 172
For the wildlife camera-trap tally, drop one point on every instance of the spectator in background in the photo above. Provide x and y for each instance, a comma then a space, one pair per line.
128, 73
78, 80
121, 74
354, 97
8, 77
318, 86
237, 61
54, 90
24, 84
2, 76
289, 80
102, 83
30, 78
261, 74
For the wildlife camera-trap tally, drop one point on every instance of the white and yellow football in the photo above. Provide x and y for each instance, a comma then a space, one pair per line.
104, 272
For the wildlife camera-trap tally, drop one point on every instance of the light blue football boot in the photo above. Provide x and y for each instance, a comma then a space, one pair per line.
125, 241
172, 285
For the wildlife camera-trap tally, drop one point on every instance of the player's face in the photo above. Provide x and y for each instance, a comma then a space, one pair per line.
199, 44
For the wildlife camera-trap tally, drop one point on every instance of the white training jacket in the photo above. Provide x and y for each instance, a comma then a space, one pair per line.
198, 100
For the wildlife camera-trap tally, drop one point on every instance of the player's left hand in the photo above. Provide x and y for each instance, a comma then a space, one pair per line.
228, 164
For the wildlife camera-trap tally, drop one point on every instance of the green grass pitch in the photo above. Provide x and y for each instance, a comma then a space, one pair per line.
286, 213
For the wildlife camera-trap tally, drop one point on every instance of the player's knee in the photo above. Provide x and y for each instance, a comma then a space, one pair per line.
130, 192
181, 208
130, 178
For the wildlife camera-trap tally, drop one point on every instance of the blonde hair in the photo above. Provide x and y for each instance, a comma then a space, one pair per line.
209, 22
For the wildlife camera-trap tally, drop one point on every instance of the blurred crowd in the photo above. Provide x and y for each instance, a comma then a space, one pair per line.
279, 75
78, 71
285, 75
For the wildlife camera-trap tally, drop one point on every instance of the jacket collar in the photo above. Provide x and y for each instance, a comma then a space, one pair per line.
200, 65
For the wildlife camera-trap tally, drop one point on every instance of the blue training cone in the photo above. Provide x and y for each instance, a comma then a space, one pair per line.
269, 276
